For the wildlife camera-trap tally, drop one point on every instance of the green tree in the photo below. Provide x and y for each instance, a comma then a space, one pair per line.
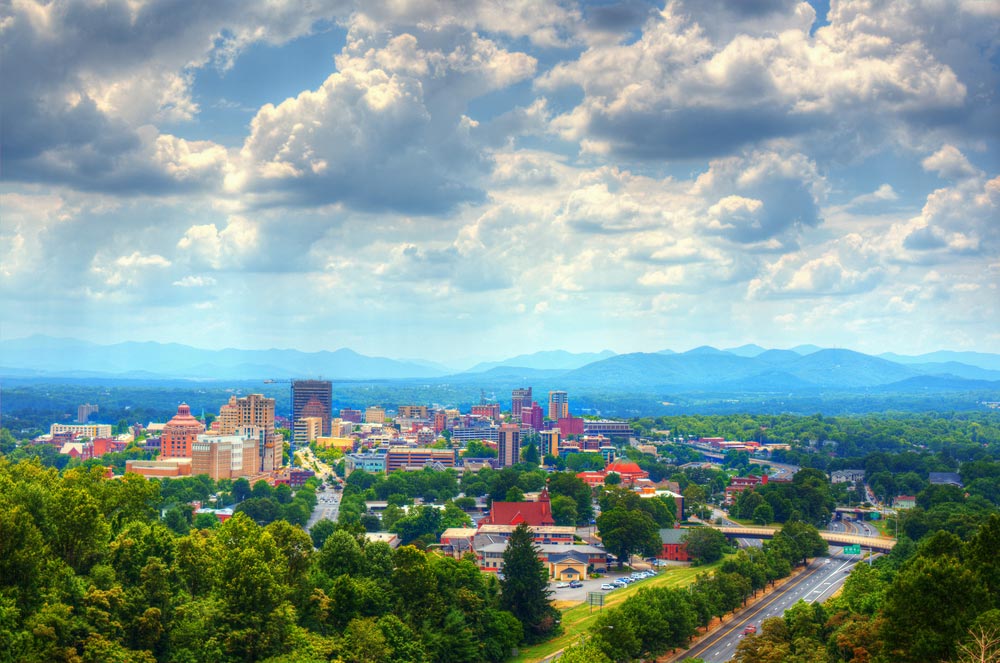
524, 590
763, 514
529, 454
564, 510
705, 544
321, 531
625, 532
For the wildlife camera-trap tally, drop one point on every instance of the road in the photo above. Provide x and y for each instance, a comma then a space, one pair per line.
821, 579
327, 506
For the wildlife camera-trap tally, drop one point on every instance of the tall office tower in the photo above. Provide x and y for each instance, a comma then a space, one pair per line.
550, 442
180, 433
304, 391
558, 405
253, 417
375, 415
519, 398
509, 445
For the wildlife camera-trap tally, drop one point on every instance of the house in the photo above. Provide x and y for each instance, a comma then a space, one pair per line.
945, 478
674, 546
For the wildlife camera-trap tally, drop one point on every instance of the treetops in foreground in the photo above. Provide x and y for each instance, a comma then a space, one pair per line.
88, 573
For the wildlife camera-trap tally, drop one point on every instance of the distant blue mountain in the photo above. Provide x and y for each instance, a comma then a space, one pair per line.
748, 350
546, 360
61, 356
980, 359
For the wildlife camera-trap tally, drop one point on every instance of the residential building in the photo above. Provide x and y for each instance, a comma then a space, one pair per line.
180, 433
558, 405
304, 391
375, 415
549, 442
307, 429
82, 430
945, 479
509, 445
519, 398
847, 476
83, 412
440, 421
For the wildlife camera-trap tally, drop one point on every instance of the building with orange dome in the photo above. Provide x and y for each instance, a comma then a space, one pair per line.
180, 433
629, 471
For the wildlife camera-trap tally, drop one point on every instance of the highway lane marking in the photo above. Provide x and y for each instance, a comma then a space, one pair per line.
755, 611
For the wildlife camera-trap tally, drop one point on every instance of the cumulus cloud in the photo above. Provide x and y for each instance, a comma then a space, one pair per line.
949, 163
205, 244
387, 131
93, 80
697, 86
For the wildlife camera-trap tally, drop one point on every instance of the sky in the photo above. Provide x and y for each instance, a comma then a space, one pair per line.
476, 179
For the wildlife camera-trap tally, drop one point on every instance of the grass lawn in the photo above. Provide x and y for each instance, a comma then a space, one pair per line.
578, 619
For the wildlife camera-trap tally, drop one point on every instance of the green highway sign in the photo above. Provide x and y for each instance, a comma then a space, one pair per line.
853, 550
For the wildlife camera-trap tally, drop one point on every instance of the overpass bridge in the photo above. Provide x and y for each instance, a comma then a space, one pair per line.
880, 543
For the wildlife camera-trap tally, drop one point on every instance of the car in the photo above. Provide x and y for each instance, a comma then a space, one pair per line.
608, 586
562, 585
750, 630
620, 583
576, 584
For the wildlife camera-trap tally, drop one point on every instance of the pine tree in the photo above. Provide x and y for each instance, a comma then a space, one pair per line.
525, 586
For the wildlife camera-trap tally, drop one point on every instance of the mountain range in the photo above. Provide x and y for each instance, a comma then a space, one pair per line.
748, 368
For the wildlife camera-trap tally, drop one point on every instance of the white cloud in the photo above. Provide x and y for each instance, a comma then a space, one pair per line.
209, 246
949, 163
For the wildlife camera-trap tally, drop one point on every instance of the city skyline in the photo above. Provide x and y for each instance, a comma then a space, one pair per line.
466, 182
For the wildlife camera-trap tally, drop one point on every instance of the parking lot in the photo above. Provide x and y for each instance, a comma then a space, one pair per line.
594, 585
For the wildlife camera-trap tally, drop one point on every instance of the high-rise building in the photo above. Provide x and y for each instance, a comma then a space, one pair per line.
252, 416
519, 398
375, 415
304, 391
533, 416
490, 411
307, 429
180, 434
509, 445
83, 412
224, 456
549, 442
558, 405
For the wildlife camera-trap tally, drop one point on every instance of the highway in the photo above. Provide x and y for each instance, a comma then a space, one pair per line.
821, 579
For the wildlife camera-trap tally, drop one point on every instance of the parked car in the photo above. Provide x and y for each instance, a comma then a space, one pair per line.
607, 586
576, 584
562, 585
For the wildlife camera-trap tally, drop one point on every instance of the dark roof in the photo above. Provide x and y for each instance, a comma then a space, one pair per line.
576, 555
672, 535
946, 477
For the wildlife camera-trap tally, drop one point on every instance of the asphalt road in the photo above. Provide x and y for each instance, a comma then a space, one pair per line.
822, 578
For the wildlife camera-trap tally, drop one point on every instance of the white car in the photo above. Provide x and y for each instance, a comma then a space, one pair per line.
607, 586
562, 585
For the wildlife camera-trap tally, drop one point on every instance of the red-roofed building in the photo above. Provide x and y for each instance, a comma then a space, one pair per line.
629, 471
514, 513
738, 484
